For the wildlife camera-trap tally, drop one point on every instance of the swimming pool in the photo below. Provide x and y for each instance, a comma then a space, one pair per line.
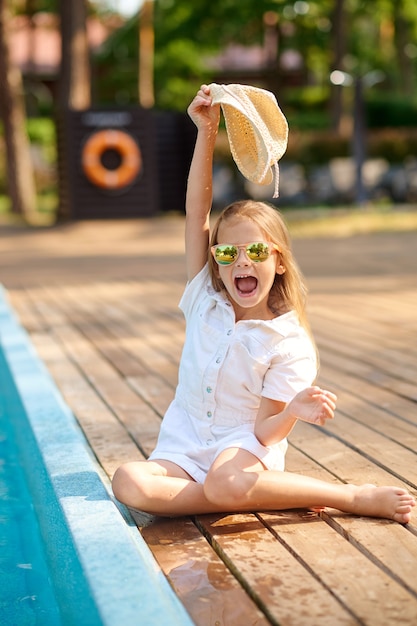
26, 591
87, 564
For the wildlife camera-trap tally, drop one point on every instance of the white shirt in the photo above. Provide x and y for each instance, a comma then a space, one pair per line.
226, 367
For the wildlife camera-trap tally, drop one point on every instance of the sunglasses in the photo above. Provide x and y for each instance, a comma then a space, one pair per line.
257, 252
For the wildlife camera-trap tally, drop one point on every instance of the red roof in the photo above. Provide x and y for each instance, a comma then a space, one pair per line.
36, 48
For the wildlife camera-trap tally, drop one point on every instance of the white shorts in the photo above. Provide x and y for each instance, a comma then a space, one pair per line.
194, 444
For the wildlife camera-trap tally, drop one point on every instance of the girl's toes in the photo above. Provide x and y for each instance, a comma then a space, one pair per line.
402, 518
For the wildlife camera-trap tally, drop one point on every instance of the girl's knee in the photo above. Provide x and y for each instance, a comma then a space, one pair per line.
130, 484
227, 489
122, 483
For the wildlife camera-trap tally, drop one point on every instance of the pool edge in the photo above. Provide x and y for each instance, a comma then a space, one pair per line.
123, 578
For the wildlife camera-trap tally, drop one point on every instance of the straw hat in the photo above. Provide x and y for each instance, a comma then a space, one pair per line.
256, 128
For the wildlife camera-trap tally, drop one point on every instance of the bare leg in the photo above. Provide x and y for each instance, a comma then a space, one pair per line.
161, 488
237, 481
234, 479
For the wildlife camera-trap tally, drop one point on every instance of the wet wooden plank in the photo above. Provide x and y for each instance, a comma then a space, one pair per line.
206, 587
274, 576
375, 598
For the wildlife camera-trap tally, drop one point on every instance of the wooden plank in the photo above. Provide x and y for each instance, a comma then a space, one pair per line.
346, 464
153, 390
376, 310
106, 435
50, 314
299, 463
131, 338
386, 361
24, 311
385, 417
375, 598
364, 331
151, 357
138, 417
272, 574
137, 412
399, 460
391, 546
382, 310
205, 586
124, 362
368, 369
370, 314
365, 376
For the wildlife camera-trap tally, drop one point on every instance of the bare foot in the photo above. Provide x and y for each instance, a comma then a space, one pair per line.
390, 502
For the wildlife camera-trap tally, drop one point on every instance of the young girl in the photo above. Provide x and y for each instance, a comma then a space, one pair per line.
246, 370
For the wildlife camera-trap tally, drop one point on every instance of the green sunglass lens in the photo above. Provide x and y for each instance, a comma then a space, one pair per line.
226, 254
258, 251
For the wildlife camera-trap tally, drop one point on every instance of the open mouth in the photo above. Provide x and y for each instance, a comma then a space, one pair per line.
246, 285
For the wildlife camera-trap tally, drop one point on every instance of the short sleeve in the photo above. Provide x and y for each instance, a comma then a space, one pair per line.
292, 369
193, 291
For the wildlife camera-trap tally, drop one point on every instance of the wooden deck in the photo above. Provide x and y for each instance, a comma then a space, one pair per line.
99, 300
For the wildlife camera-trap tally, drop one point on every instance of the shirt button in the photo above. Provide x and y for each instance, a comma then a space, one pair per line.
219, 359
209, 413
209, 389
229, 332
209, 441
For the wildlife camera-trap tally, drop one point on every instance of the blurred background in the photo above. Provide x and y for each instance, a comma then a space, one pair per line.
73, 73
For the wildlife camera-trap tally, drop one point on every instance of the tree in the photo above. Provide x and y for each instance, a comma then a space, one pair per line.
74, 91
339, 52
146, 55
350, 35
75, 74
20, 176
403, 38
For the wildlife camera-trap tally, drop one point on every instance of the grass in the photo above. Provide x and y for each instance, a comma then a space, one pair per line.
327, 222
43, 216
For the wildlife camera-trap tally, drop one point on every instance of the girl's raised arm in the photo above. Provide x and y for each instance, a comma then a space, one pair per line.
199, 189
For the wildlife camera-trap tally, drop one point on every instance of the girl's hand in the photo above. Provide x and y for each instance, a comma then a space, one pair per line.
313, 405
201, 111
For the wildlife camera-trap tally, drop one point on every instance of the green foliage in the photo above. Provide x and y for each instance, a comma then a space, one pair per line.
116, 67
189, 32
394, 145
41, 133
306, 108
21, 6
311, 148
317, 148
390, 110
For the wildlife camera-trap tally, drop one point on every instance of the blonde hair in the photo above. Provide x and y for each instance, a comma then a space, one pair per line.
288, 291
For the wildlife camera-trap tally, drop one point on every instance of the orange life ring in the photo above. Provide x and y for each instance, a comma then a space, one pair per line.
121, 142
